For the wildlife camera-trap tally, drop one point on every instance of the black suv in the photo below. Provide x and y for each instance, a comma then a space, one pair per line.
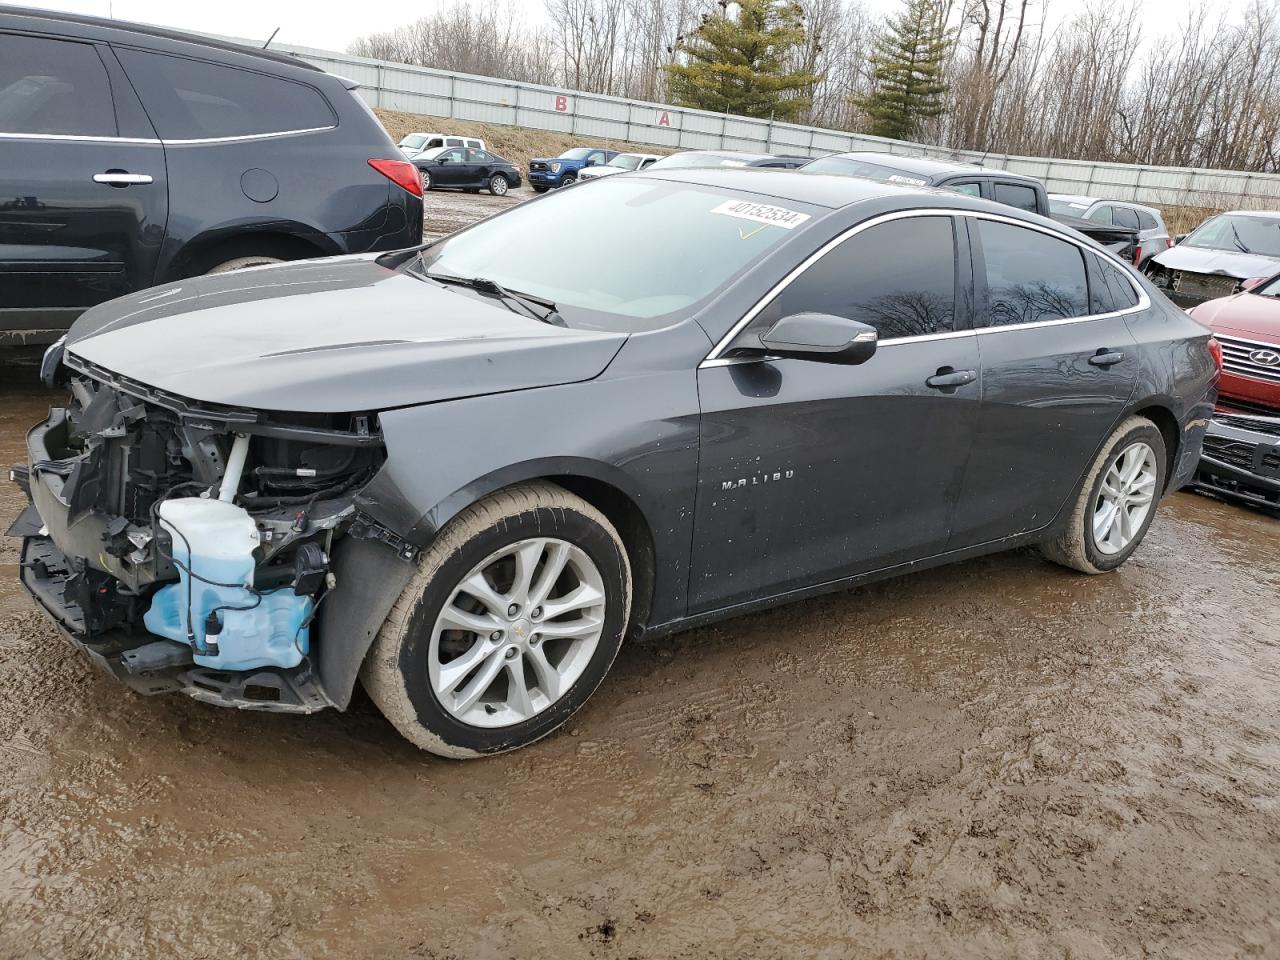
133, 156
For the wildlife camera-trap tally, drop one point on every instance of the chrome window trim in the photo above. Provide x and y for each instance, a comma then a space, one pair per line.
714, 358
167, 143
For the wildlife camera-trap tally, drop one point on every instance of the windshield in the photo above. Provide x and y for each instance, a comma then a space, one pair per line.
692, 159
627, 161
577, 153
414, 140
848, 167
1238, 232
1067, 208
683, 243
1269, 289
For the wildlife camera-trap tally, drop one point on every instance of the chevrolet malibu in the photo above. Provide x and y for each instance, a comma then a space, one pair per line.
463, 474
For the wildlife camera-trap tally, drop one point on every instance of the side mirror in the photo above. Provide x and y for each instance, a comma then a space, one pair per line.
1246, 285
821, 337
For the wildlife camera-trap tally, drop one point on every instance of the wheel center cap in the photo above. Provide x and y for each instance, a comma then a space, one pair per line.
522, 628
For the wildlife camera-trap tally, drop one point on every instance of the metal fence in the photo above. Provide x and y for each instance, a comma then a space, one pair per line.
440, 93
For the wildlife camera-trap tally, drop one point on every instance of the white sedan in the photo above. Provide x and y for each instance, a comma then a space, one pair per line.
622, 163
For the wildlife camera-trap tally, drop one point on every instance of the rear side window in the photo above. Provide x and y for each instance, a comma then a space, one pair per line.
193, 100
1031, 276
1146, 221
1124, 217
1015, 195
54, 88
1101, 214
899, 277
1114, 292
970, 189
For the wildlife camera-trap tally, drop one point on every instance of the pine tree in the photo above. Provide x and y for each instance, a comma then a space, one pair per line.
738, 64
907, 67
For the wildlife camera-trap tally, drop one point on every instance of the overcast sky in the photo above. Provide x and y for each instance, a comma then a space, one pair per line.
332, 25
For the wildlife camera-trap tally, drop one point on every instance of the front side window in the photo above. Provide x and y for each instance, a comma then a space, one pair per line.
684, 242
1031, 276
899, 277
1016, 195
54, 88
456, 155
194, 100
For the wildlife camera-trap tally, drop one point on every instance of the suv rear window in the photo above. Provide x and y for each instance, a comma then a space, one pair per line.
53, 87
194, 100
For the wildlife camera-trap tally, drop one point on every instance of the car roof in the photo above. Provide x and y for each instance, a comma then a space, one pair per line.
158, 33
1073, 198
1089, 201
1269, 214
926, 166
819, 189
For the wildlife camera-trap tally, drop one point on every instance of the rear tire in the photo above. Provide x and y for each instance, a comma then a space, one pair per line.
1116, 503
498, 185
469, 662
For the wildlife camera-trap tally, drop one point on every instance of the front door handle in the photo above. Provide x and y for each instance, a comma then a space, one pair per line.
948, 377
118, 178
1106, 358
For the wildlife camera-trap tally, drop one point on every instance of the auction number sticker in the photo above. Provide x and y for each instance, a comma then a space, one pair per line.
898, 178
762, 213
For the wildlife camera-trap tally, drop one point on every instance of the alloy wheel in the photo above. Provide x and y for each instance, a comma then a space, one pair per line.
498, 186
517, 632
1125, 498
426, 181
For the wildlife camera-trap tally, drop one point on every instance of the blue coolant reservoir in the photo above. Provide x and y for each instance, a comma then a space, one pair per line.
216, 540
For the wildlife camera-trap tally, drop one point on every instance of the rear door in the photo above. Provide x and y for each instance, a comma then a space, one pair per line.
83, 200
811, 472
1058, 368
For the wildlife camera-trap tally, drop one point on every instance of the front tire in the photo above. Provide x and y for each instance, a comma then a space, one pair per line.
1116, 503
425, 177
514, 617
240, 263
569, 180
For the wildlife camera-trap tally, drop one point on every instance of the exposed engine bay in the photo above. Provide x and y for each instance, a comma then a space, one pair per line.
187, 543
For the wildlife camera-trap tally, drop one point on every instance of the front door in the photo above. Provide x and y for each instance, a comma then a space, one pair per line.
811, 471
1058, 368
83, 208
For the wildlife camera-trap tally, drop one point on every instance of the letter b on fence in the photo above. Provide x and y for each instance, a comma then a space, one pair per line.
562, 104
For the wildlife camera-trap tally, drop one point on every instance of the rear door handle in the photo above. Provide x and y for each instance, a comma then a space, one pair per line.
1106, 358
947, 377
118, 178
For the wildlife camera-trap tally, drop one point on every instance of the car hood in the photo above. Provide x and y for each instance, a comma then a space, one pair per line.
1228, 263
552, 160
1245, 315
330, 336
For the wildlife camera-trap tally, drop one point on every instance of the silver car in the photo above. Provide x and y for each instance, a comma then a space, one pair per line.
1153, 235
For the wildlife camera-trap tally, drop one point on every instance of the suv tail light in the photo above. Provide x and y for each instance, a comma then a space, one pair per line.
1215, 351
401, 173
1137, 254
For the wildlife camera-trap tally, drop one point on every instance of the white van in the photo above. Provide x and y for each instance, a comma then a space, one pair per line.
416, 143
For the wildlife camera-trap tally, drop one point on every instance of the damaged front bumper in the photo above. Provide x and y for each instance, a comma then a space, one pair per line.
98, 554
1241, 459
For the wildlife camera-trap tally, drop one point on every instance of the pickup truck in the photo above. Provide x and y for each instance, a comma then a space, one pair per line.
1014, 189
547, 173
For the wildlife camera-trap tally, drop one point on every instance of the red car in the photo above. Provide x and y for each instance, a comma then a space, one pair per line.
1241, 456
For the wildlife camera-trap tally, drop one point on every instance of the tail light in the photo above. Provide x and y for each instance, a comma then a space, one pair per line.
1215, 351
1137, 254
401, 173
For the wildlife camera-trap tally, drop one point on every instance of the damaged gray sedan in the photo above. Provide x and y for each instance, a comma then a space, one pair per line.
463, 474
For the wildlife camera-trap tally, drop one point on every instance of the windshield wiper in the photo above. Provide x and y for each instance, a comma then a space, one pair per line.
1238, 242
536, 307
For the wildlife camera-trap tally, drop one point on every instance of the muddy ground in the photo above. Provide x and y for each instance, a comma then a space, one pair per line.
998, 759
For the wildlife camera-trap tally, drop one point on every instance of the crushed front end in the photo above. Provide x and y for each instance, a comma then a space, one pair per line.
188, 547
